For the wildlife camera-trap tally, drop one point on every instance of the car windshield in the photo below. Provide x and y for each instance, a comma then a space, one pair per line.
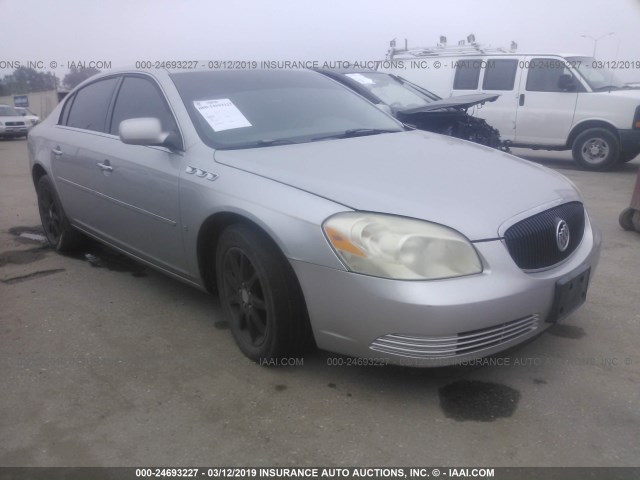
6, 111
593, 71
394, 91
245, 109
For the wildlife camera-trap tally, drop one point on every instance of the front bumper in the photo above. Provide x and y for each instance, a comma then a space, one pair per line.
13, 131
441, 322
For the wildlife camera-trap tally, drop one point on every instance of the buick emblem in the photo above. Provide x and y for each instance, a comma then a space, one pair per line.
562, 234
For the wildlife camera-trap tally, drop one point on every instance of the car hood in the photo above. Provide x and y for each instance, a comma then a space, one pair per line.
12, 118
461, 102
417, 174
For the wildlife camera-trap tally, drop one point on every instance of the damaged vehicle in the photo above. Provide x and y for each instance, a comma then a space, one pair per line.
420, 108
315, 216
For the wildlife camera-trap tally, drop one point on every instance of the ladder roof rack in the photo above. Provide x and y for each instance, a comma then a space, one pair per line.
443, 50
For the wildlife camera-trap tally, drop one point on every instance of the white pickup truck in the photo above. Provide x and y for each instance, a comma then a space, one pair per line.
547, 101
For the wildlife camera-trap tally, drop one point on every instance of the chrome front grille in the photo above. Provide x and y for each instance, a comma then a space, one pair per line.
453, 346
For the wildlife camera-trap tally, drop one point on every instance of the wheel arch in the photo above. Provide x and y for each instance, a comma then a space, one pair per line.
587, 124
37, 172
207, 241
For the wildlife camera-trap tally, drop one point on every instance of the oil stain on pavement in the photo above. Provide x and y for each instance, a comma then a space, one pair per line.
29, 235
478, 401
22, 257
96, 254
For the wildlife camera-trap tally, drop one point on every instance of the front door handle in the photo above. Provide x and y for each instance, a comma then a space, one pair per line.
105, 166
56, 151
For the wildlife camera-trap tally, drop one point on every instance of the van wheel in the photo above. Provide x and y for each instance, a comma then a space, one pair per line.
59, 232
596, 149
260, 295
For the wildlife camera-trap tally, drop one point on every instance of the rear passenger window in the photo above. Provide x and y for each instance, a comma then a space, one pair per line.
139, 97
90, 105
467, 74
500, 74
64, 116
544, 75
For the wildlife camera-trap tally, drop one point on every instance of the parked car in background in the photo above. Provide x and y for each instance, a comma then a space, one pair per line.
417, 106
31, 118
12, 124
547, 101
313, 214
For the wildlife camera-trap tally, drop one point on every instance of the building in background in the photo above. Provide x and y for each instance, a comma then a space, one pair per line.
40, 103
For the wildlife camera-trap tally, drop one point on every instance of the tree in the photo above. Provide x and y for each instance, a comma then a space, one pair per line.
27, 80
78, 75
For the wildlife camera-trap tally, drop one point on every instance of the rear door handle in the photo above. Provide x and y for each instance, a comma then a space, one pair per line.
56, 151
521, 102
105, 166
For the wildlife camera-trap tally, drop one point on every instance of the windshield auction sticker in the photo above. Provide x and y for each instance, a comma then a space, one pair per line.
221, 114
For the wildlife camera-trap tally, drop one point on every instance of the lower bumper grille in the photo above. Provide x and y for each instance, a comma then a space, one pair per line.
461, 344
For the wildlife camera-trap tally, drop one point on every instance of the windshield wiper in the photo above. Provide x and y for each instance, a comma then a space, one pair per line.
355, 132
608, 87
259, 143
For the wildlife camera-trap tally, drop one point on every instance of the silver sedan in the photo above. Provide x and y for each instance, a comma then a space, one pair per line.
314, 215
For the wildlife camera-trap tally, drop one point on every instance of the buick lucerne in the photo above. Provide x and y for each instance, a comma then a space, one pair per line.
315, 216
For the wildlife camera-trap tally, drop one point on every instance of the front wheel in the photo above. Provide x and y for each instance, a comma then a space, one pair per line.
260, 295
596, 149
59, 232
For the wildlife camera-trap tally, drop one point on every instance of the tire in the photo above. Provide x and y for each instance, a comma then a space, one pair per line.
260, 296
635, 220
596, 149
625, 219
61, 236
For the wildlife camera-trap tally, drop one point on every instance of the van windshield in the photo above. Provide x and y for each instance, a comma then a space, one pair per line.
596, 74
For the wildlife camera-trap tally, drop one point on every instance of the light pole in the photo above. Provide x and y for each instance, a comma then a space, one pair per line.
596, 40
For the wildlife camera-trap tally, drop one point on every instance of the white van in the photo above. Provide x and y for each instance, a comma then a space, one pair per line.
547, 101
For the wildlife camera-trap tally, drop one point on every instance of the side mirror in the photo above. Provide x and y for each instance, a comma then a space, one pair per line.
566, 83
147, 131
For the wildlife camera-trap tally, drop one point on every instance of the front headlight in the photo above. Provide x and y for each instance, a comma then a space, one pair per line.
400, 248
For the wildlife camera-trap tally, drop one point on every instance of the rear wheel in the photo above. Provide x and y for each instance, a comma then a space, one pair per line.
59, 232
260, 295
596, 149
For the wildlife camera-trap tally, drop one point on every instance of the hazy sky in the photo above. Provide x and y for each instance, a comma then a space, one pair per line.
125, 31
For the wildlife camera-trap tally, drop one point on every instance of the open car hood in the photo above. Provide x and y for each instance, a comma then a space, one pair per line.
462, 102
